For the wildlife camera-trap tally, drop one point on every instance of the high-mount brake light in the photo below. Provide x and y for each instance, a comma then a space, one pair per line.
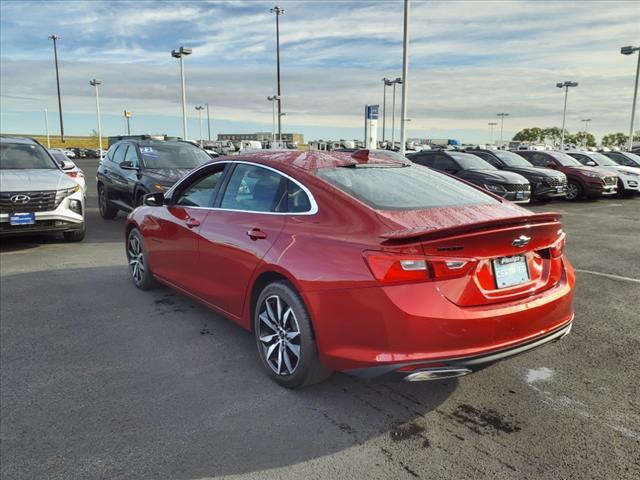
393, 268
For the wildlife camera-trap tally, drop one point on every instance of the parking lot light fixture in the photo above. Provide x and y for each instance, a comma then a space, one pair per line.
278, 11
566, 85
95, 83
629, 51
180, 53
393, 113
586, 126
405, 78
200, 108
492, 124
385, 83
46, 127
208, 122
502, 115
55, 39
273, 99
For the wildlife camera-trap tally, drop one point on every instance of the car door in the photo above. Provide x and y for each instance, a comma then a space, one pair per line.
173, 230
130, 168
113, 176
238, 233
119, 175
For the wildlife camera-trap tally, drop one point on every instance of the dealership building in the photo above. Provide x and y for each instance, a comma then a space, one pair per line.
262, 137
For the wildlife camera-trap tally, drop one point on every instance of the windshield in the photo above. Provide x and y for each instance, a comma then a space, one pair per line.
602, 160
172, 156
471, 162
25, 156
58, 155
410, 187
565, 160
511, 159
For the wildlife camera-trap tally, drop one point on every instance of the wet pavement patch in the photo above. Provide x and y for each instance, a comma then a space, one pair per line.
483, 421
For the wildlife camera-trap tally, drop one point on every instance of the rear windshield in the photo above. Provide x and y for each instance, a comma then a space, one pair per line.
24, 156
471, 162
409, 187
172, 156
565, 160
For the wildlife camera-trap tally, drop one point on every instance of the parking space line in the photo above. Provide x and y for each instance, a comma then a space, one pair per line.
609, 275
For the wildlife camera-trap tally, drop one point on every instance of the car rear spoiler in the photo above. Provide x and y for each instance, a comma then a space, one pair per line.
433, 233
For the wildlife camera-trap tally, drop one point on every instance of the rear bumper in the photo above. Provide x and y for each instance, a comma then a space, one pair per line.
386, 328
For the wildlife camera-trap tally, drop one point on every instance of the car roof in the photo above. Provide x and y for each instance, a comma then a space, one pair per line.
314, 160
22, 140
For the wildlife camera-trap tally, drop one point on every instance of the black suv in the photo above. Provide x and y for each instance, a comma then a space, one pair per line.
546, 184
473, 169
134, 168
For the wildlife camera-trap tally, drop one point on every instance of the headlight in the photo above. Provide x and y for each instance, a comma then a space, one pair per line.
65, 192
495, 188
592, 174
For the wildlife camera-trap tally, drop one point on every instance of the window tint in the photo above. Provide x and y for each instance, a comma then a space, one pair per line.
255, 189
408, 187
118, 155
444, 163
131, 156
200, 193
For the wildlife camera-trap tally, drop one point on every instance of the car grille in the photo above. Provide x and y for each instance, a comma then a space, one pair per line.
555, 181
38, 202
610, 180
517, 187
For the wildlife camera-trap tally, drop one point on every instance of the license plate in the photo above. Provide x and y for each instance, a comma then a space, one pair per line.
519, 195
22, 218
560, 189
510, 271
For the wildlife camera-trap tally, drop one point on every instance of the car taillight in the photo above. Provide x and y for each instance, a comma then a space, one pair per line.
394, 268
557, 249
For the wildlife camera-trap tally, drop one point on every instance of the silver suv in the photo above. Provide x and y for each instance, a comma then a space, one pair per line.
36, 196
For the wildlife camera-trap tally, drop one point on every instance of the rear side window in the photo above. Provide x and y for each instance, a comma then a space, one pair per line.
255, 189
118, 155
297, 199
409, 187
487, 158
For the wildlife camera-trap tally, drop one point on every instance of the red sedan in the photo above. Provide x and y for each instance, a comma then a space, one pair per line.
357, 262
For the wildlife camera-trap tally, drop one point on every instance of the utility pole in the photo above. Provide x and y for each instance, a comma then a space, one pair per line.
278, 11
405, 79
180, 54
46, 127
628, 51
492, 124
208, 123
393, 114
95, 83
385, 83
586, 126
502, 115
566, 86
200, 108
55, 38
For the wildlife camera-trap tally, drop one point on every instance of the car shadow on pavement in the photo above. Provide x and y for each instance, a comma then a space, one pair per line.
103, 380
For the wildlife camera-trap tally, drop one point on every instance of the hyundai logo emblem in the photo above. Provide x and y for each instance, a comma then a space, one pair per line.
20, 199
521, 241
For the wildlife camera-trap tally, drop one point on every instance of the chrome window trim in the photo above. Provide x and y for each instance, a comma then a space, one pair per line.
312, 201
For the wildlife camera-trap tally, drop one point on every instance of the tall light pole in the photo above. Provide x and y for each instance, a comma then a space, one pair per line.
502, 115
566, 86
393, 113
208, 123
200, 108
628, 51
586, 126
385, 83
273, 99
95, 83
181, 53
55, 38
127, 117
46, 127
280, 115
492, 124
278, 11
405, 79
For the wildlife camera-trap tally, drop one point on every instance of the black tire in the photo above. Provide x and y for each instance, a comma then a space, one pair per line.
574, 191
106, 211
75, 235
138, 260
294, 373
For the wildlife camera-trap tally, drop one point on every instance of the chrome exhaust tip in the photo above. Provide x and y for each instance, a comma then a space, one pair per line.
436, 373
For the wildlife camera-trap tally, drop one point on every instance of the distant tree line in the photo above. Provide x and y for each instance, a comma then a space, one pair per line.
552, 135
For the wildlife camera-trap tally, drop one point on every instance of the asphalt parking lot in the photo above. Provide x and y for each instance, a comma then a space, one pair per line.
101, 380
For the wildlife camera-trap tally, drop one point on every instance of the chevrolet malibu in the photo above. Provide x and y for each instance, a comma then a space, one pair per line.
359, 263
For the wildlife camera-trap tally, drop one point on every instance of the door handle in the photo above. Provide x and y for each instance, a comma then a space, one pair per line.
256, 233
192, 222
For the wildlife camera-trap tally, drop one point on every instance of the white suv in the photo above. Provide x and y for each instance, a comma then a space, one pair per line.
36, 196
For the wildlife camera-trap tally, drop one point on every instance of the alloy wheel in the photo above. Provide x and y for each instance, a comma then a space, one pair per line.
279, 335
572, 191
136, 259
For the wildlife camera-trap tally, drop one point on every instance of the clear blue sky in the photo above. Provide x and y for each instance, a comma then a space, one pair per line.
468, 61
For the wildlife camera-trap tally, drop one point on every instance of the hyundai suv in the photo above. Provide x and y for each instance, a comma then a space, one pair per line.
134, 168
628, 177
583, 181
36, 195
473, 169
546, 184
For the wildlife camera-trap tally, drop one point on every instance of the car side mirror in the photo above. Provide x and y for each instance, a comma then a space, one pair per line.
591, 163
67, 165
128, 165
154, 199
